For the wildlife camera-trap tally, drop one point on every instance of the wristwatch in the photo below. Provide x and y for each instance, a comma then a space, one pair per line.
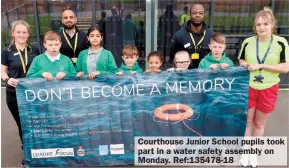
7, 79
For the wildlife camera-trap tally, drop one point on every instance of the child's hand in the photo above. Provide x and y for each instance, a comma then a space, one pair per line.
244, 64
180, 69
80, 75
156, 70
214, 66
148, 71
152, 70
60, 75
224, 66
255, 67
92, 75
132, 72
171, 69
120, 73
48, 76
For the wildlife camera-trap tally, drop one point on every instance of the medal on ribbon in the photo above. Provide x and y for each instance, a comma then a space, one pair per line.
259, 78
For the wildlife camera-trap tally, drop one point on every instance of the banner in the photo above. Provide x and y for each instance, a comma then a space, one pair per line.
93, 123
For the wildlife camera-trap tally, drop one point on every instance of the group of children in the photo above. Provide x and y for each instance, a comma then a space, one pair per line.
96, 60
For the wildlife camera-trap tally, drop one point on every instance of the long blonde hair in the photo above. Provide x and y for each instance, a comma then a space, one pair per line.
13, 26
266, 14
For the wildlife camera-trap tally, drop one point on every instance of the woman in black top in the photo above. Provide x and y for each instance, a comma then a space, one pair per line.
15, 61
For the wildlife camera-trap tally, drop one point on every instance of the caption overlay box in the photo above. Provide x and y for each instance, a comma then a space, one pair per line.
212, 151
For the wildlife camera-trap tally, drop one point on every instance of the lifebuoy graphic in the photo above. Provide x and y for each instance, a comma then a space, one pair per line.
160, 112
186, 114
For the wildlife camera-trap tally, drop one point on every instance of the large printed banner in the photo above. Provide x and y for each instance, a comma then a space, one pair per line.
93, 123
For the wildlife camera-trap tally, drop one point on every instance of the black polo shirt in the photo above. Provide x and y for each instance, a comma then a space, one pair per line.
81, 43
182, 41
12, 60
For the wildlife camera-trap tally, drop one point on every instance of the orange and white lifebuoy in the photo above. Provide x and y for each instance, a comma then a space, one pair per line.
160, 112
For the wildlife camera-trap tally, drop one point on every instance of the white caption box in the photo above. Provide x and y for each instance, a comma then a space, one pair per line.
212, 151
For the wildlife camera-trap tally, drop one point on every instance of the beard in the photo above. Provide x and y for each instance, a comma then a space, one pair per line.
69, 26
197, 24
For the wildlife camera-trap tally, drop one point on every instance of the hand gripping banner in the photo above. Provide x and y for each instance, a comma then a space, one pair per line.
75, 123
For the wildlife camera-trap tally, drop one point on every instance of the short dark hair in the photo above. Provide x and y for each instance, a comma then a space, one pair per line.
91, 29
128, 16
155, 54
103, 14
196, 4
185, 9
114, 11
95, 27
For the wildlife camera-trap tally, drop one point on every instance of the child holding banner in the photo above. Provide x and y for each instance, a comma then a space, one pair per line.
51, 63
182, 62
15, 60
155, 61
265, 56
130, 65
217, 59
95, 60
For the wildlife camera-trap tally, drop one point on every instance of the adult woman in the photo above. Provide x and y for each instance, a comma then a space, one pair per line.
15, 61
265, 55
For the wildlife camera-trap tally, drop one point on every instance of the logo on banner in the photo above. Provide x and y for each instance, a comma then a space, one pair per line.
103, 149
116, 149
80, 151
53, 152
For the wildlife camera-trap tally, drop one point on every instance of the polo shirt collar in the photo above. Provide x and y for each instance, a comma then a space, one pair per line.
52, 59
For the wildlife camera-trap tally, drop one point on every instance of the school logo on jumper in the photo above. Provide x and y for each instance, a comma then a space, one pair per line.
80, 151
116, 149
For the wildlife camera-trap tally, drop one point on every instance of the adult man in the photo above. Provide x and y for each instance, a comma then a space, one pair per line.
113, 37
129, 31
168, 25
73, 40
185, 17
194, 37
101, 22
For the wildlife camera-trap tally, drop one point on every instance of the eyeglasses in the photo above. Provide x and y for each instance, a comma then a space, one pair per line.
182, 62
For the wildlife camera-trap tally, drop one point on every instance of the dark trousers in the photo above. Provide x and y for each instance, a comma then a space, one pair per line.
13, 107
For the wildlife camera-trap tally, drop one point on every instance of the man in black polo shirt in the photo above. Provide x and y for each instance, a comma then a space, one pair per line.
113, 37
194, 37
73, 40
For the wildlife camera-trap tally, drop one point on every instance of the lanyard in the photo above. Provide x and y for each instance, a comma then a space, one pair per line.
201, 40
75, 42
266, 54
24, 64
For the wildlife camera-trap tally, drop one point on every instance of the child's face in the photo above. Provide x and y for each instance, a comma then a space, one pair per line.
94, 38
264, 27
52, 46
182, 61
217, 49
130, 60
155, 62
